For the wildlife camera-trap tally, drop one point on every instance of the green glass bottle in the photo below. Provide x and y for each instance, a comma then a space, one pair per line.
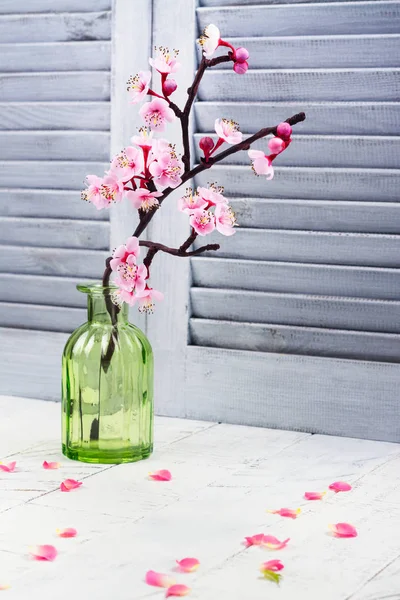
107, 396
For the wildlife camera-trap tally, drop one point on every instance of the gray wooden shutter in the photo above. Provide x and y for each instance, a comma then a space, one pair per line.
54, 130
313, 270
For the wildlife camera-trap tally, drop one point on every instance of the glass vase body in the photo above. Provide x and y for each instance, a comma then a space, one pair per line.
107, 386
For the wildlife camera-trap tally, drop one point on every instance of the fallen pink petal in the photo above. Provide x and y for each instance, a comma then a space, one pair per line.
343, 530
159, 579
44, 553
4, 586
314, 495
70, 484
340, 486
8, 468
68, 532
273, 543
188, 565
51, 465
286, 512
272, 565
162, 475
255, 540
177, 590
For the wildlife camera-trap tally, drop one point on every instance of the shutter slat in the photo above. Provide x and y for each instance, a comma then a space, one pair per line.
308, 183
317, 215
68, 56
296, 277
52, 261
38, 289
219, 3
45, 318
54, 145
52, 174
302, 85
310, 246
351, 118
304, 19
55, 115
296, 309
77, 85
39, 6
48, 204
327, 151
296, 340
56, 233
61, 27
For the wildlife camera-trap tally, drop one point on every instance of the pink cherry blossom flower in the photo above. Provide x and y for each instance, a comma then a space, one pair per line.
191, 201
286, 512
272, 565
314, 495
213, 195
169, 86
241, 67
225, 219
262, 164
156, 113
111, 190
340, 486
143, 199
120, 296
284, 131
273, 543
276, 145
177, 590
228, 131
144, 140
167, 169
159, 579
51, 465
254, 540
165, 62
70, 484
69, 532
45, 552
146, 300
202, 221
209, 40
10, 468
121, 254
93, 192
127, 163
138, 86
131, 277
161, 475
188, 565
343, 530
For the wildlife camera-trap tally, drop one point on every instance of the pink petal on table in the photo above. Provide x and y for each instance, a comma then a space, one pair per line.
45, 552
340, 486
273, 543
4, 586
68, 532
70, 484
159, 579
188, 564
271, 565
314, 495
8, 468
51, 465
177, 590
162, 475
286, 512
343, 530
255, 540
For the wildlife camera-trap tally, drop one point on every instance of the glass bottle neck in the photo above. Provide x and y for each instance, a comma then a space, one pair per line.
98, 313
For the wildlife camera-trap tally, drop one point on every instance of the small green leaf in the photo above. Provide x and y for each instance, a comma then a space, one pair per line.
272, 576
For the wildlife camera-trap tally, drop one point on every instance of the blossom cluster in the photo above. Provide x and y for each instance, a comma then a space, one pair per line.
262, 163
208, 209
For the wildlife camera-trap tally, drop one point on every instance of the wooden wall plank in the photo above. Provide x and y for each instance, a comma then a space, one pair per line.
296, 277
308, 183
327, 151
51, 174
66, 56
307, 341
44, 318
317, 215
74, 85
48, 204
42, 289
302, 85
304, 393
55, 233
296, 309
365, 249
55, 27
55, 115
52, 261
351, 118
55, 145
22, 350
39, 6
330, 51
304, 19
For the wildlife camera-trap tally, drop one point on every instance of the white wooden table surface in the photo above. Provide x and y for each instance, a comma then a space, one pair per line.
224, 479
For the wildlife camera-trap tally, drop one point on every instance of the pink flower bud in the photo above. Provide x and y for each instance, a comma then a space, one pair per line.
240, 67
206, 144
169, 86
241, 55
284, 131
276, 145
